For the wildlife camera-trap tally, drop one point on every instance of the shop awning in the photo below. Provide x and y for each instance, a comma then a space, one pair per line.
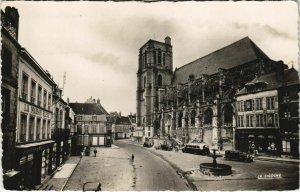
261, 137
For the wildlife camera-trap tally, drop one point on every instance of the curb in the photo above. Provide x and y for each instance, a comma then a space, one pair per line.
64, 185
276, 160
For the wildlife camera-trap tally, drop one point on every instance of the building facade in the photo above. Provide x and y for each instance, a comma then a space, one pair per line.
34, 146
9, 92
288, 99
197, 100
121, 127
92, 127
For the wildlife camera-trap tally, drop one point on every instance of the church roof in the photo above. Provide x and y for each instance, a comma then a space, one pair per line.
88, 109
271, 81
237, 53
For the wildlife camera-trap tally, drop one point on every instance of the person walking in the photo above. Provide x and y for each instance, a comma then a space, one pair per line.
132, 157
95, 152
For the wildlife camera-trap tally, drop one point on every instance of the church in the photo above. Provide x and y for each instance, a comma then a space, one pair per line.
198, 99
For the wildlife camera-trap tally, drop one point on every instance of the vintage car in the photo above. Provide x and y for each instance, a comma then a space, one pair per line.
166, 146
196, 147
238, 155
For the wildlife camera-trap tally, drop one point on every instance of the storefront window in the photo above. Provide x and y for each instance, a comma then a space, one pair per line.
44, 130
38, 129
286, 146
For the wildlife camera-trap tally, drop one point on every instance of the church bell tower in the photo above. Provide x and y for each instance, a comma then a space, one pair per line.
155, 71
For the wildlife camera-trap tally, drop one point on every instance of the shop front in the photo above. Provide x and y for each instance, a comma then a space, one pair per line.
34, 162
259, 141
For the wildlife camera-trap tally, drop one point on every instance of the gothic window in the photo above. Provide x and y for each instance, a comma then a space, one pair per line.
227, 114
180, 119
193, 118
159, 80
208, 116
159, 57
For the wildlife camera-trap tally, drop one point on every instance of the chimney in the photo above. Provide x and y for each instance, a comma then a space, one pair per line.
120, 114
94, 100
98, 101
68, 101
280, 72
10, 21
168, 40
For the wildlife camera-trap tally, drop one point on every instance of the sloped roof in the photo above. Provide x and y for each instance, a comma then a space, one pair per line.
237, 53
88, 108
123, 120
271, 81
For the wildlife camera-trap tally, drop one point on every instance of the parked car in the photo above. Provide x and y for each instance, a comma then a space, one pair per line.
166, 146
196, 147
148, 144
238, 155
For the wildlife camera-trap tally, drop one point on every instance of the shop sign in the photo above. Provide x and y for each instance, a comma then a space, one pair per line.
34, 110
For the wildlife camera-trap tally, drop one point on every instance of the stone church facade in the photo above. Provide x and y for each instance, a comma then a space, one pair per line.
197, 100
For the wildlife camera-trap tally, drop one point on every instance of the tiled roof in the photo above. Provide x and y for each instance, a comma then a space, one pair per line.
270, 80
237, 53
88, 108
123, 120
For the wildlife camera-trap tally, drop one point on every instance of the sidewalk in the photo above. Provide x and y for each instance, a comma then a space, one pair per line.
60, 177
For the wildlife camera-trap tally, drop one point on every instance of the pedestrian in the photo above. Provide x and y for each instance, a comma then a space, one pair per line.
95, 152
132, 157
81, 154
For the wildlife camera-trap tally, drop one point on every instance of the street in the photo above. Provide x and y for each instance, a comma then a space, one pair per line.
114, 169
151, 171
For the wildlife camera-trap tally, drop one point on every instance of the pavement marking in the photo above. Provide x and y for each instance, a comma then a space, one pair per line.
65, 171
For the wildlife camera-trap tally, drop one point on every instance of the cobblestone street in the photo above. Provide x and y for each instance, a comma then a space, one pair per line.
112, 168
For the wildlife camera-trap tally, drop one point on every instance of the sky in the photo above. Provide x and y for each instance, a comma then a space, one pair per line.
97, 43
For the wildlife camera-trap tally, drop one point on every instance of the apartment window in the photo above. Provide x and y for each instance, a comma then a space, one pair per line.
260, 120
39, 96
270, 120
240, 106
259, 104
6, 57
94, 118
154, 57
31, 128
286, 146
49, 101
159, 57
286, 97
79, 129
249, 120
163, 59
79, 118
276, 120
23, 124
287, 114
38, 129
270, 102
33, 91
240, 121
86, 129
24, 86
44, 130
149, 134
49, 130
45, 99
249, 105
94, 129
145, 82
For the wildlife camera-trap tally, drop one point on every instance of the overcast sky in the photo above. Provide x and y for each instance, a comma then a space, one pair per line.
97, 43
